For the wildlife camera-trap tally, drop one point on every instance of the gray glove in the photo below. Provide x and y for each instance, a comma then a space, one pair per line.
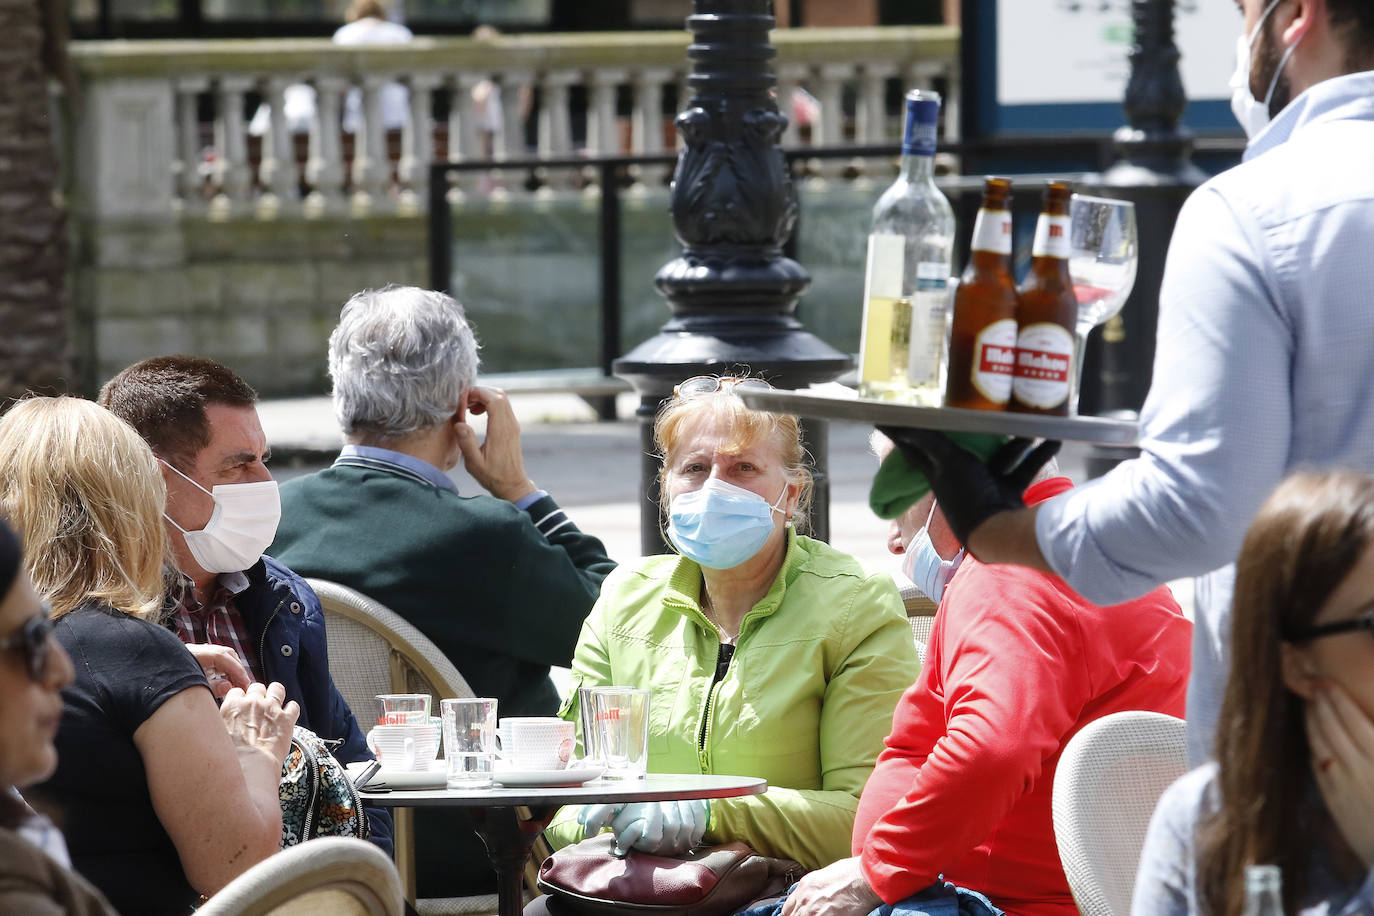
663, 828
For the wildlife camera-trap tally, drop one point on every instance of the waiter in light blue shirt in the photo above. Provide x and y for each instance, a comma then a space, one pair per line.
1265, 354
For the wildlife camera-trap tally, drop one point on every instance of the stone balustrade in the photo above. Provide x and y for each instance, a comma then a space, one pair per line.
193, 233
162, 126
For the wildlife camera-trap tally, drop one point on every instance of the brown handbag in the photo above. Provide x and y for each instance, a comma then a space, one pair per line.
710, 881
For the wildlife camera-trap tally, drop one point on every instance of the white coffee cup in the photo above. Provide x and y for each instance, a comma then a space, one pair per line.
405, 747
535, 743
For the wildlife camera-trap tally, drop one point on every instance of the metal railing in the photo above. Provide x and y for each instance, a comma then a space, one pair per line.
1081, 157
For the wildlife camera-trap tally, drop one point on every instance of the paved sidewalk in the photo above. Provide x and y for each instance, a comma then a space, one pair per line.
592, 468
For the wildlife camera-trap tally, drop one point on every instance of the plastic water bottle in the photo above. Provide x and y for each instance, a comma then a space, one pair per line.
901, 348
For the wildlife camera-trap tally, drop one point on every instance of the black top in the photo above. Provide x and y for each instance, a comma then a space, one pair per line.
126, 668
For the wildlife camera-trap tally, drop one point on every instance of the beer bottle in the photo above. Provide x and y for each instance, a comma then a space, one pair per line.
982, 341
1047, 315
903, 337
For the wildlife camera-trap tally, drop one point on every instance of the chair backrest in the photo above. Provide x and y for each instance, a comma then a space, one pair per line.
920, 612
374, 650
1108, 782
329, 876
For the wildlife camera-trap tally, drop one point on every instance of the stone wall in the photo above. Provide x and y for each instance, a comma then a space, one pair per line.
259, 296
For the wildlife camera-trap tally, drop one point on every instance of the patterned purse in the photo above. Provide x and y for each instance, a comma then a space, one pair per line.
317, 797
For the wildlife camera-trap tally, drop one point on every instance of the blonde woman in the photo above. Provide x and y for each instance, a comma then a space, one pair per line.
162, 798
769, 653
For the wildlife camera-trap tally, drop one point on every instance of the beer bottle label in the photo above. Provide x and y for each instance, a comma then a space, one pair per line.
1051, 237
992, 232
1044, 365
994, 360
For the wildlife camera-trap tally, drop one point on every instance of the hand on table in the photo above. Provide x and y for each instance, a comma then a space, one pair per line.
258, 720
839, 889
1342, 742
668, 828
970, 492
497, 462
222, 668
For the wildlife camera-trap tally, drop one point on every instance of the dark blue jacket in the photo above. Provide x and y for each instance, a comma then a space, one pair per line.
286, 621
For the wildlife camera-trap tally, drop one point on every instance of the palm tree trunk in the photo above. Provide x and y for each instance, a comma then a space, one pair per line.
34, 350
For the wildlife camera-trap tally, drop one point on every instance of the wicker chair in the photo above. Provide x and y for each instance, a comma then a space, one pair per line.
373, 650
920, 612
1108, 782
330, 876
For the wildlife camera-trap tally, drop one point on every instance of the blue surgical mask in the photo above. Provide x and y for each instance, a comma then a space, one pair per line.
926, 568
721, 525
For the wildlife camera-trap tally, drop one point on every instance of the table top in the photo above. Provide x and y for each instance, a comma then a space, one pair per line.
834, 402
654, 787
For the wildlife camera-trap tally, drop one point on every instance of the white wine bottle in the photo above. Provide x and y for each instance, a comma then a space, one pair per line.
902, 342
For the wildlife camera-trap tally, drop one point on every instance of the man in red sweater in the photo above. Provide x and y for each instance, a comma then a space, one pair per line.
1017, 664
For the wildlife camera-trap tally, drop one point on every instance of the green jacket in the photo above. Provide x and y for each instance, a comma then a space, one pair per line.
806, 702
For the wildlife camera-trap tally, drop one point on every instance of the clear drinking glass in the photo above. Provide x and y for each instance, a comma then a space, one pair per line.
402, 708
1104, 254
622, 724
586, 720
469, 741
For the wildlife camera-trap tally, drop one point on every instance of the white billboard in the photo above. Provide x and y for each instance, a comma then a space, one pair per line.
1057, 51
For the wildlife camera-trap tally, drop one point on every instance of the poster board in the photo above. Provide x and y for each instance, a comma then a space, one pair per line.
1038, 66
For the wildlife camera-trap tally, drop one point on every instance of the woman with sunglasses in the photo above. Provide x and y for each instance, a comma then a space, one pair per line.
1293, 781
34, 877
161, 797
768, 653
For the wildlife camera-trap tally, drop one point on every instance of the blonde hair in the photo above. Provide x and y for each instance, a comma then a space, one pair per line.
745, 427
85, 493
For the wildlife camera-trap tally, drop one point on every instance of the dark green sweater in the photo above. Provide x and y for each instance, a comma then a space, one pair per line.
501, 592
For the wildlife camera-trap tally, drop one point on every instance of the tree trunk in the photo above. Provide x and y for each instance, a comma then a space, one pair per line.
34, 351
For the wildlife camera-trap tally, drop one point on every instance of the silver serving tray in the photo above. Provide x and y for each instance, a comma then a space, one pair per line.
838, 405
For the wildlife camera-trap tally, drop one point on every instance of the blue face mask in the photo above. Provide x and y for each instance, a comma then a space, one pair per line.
721, 525
926, 568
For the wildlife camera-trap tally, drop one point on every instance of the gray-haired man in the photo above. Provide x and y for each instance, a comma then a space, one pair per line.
500, 582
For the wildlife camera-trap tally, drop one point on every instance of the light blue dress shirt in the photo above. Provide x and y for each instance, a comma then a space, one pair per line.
1264, 364
415, 468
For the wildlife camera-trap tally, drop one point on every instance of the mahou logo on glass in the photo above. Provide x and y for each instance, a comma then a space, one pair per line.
1044, 354
995, 360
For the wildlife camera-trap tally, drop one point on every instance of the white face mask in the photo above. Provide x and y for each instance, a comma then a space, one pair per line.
1253, 114
243, 524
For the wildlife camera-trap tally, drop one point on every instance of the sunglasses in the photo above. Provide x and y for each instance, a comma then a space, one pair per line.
1363, 622
699, 385
34, 639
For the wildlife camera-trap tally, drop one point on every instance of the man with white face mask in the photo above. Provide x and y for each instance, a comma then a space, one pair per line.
1017, 664
1265, 353
244, 616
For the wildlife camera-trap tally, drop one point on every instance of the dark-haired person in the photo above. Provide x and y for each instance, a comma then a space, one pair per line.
1293, 782
244, 616
35, 873
1265, 355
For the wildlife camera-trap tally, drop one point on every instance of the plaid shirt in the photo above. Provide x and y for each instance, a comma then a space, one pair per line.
216, 622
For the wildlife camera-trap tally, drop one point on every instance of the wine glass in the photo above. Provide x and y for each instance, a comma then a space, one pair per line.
1103, 254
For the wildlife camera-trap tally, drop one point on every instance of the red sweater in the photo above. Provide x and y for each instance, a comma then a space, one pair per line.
1017, 664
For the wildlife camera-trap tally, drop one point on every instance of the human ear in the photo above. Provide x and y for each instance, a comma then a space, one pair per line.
1299, 671
1298, 19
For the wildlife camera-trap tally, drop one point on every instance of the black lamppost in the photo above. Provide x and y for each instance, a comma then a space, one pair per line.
732, 293
1156, 173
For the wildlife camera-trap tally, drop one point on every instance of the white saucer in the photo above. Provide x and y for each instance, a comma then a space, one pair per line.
433, 778
572, 776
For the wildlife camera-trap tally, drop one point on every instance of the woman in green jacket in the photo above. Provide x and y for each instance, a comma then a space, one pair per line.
768, 653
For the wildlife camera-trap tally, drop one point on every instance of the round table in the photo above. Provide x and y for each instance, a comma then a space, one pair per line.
508, 839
